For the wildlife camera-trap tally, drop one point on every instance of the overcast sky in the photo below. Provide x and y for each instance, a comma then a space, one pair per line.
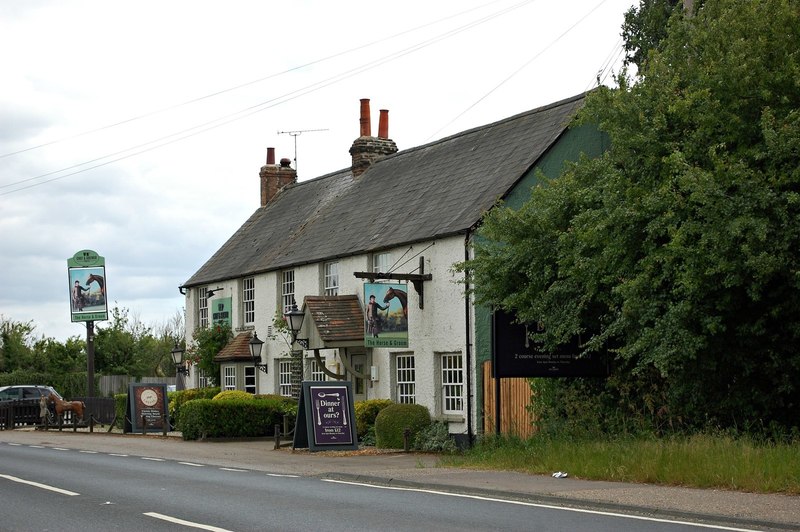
138, 129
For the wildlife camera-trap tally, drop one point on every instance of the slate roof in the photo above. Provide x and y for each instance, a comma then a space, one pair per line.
428, 192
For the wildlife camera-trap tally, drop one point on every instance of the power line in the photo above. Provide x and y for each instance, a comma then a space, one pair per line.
518, 70
218, 122
243, 85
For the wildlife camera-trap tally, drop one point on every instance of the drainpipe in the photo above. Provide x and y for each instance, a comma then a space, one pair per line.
468, 354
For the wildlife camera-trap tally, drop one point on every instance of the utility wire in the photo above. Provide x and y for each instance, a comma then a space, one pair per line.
218, 122
517, 71
243, 85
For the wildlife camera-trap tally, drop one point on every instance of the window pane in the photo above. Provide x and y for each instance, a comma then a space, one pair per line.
249, 299
406, 376
287, 291
331, 278
452, 383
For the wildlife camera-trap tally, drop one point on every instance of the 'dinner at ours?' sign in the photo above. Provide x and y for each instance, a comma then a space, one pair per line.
327, 413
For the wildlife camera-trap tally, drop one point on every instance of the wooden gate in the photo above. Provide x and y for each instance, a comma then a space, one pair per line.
515, 398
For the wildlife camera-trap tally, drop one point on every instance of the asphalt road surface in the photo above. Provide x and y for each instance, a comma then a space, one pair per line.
62, 489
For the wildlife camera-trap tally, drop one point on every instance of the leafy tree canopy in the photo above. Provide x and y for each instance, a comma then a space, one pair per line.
679, 250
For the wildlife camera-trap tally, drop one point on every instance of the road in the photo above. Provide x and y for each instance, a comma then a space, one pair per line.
64, 489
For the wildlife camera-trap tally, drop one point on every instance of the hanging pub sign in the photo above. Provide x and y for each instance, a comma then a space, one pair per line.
221, 311
87, 286
385, 315
327, 414
515, 354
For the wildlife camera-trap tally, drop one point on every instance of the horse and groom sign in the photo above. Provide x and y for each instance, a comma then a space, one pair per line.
385, 315
87, 286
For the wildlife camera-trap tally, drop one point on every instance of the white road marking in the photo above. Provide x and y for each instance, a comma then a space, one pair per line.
234, 470
191, 464
88, 452
115, 454
38, 485
539, 505
153, 459
184, 522
286, 476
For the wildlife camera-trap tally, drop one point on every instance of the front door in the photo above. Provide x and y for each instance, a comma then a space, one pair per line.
359, 363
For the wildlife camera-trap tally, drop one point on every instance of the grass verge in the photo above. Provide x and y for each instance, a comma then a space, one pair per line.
700, 461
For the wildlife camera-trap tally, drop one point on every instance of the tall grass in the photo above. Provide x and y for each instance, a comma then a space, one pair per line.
703, 461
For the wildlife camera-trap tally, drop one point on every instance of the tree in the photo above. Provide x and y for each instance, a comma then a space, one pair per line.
208, 341
678, 251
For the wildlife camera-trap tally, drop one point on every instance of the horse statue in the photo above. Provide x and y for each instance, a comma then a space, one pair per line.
76, 407
401, 296
100, 282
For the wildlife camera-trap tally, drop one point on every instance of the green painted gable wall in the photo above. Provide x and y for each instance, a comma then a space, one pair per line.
585, 139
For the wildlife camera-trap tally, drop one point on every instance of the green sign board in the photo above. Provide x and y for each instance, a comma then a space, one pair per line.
220, 309
86, 271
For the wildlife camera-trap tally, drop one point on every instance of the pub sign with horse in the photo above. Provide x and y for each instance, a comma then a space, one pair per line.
87, 286
385, 315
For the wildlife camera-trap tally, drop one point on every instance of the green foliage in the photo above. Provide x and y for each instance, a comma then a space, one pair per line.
392, 421
234, 418
435, 438
178, 398
366, 412
227, 395
645, 28
678, 251
208, 341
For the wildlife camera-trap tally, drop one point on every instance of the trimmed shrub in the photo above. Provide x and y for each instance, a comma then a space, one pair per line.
392, 421
178, 398
232, 394
366, 412
234, 418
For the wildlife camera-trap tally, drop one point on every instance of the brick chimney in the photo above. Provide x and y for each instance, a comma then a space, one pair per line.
367, 149
275, 176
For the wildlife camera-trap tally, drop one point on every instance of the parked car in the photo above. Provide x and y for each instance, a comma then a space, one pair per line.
22, 392
25, 401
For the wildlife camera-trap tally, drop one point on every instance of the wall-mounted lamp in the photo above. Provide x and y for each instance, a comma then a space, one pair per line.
255, 352
177, 359
211, 292
294, 319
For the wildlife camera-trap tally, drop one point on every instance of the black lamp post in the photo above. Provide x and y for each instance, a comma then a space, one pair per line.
294, 319
255, 352
180, 368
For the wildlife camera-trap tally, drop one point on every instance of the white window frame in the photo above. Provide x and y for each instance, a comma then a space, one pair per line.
331, 278
287, 290
229, 380
405, 374
250, 382
202, 378
451, 382
315, 370
285, 377
249, 300
380, 262
202, 307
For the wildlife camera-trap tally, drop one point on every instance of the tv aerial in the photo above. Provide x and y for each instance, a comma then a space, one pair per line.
296, 133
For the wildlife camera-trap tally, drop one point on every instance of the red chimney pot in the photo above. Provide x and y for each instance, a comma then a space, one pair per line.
366, 128
383, 124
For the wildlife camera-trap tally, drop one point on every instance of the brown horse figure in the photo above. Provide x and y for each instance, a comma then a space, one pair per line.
401, 296
76, 407
100, 282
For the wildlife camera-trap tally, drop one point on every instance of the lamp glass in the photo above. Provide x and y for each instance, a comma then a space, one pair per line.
255, 345
177, 355
294, 319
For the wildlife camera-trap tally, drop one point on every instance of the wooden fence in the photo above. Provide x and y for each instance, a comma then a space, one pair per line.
115, 384
515, 398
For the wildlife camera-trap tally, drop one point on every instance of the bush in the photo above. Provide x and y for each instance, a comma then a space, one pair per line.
392, 421
366, 412
232, 394
234, 418
178, 398
435, 438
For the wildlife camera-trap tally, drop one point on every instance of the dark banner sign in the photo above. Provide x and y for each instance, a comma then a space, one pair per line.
514, 354
148, 408
326, 411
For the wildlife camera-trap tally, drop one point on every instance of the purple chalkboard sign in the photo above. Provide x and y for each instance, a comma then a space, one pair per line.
326, 409
330, 408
